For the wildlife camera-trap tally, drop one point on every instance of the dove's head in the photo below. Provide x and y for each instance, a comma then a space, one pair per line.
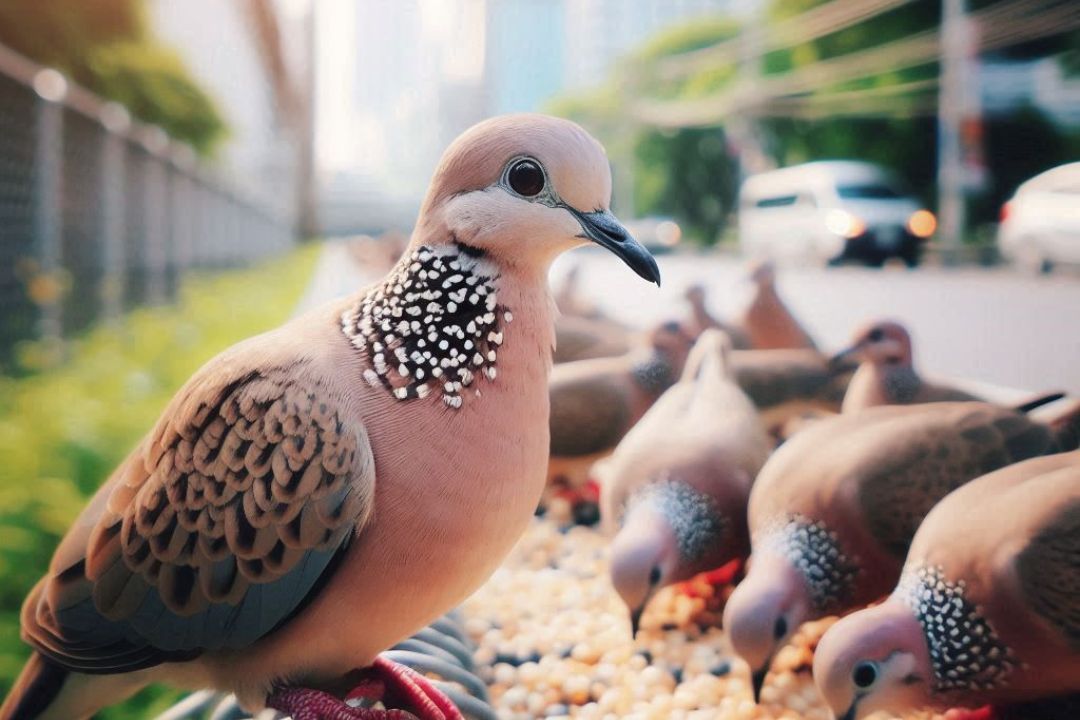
670, 533
875, 659
643, 557
520, 189
672, 341
765, 610
882, 343
762, 273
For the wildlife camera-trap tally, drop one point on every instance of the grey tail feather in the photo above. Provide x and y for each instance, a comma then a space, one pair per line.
1037, 402
37, 686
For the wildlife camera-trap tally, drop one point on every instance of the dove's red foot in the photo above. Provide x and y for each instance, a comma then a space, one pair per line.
384, 681
984, 713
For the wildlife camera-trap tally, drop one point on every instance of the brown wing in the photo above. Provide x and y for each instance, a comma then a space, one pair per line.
920, 463
213, 532
775, 377
589, 414
1049, 571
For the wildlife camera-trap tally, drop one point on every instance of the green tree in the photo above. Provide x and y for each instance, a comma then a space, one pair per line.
689, 173
106, 46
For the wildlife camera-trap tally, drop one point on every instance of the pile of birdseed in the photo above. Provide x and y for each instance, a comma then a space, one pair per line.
554, 642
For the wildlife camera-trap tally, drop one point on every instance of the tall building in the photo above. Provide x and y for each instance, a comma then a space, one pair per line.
397, 81
524, 54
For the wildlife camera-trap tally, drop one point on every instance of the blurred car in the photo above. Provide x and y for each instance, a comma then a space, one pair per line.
658, 234
832, 211
1040, 224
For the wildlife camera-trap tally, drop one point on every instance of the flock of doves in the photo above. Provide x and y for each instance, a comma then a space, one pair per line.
944, 527
315, 494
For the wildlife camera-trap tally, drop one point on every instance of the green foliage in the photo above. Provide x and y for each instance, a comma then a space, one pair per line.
1018, 147
63, 431
688, 174
907, 146
106, 45
638, 71
152, 82
60, 33
688, 37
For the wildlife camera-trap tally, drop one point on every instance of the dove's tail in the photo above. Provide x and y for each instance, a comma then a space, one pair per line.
38, 685
47, 691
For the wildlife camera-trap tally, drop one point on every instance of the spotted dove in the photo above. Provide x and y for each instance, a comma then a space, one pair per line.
886, 374
674, 492
316, 494
767, 321
986, 611
701, 319
834, 509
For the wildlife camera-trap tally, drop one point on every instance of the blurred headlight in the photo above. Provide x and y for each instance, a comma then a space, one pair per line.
844, 224
922, 224
668, 233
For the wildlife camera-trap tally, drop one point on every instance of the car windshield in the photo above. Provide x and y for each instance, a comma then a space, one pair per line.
778, 201
869, 191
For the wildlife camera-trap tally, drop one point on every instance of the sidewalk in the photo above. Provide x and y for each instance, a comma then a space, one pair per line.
336, 274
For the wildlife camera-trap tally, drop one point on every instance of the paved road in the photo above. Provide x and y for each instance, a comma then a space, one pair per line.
994, 326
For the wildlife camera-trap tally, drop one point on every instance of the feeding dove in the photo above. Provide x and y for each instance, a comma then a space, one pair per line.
674, 492
834, 509
986, 612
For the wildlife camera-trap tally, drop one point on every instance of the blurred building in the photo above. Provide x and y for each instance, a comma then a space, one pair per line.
1041, 83
253, 58
525, 54
398, 80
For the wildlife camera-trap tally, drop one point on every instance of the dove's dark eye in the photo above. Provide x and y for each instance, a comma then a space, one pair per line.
876, 335
526, 178
654, 575
864, 674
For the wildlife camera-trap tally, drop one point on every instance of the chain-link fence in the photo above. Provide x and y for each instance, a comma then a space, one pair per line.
99, 213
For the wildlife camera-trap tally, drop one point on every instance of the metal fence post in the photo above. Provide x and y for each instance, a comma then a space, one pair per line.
115, 120
46, 288
156, 217
184, 209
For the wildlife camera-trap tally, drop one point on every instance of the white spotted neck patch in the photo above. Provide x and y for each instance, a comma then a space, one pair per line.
965, 652
432, 327
814, 550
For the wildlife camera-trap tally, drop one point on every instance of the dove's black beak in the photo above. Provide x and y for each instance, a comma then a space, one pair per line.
603, 229
846, 358
635, 621
757, 679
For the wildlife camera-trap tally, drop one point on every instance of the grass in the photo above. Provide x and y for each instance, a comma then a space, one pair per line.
63, 430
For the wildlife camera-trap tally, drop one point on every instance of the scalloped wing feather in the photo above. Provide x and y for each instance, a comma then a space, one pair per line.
213, 532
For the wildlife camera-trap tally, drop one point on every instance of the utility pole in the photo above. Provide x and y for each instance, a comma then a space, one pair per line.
741, 127
959, 156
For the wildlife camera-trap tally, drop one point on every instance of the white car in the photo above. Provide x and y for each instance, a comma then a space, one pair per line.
1040, 225
832, 211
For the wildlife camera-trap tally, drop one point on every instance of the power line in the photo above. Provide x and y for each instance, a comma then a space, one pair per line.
1003, 24
813, 24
